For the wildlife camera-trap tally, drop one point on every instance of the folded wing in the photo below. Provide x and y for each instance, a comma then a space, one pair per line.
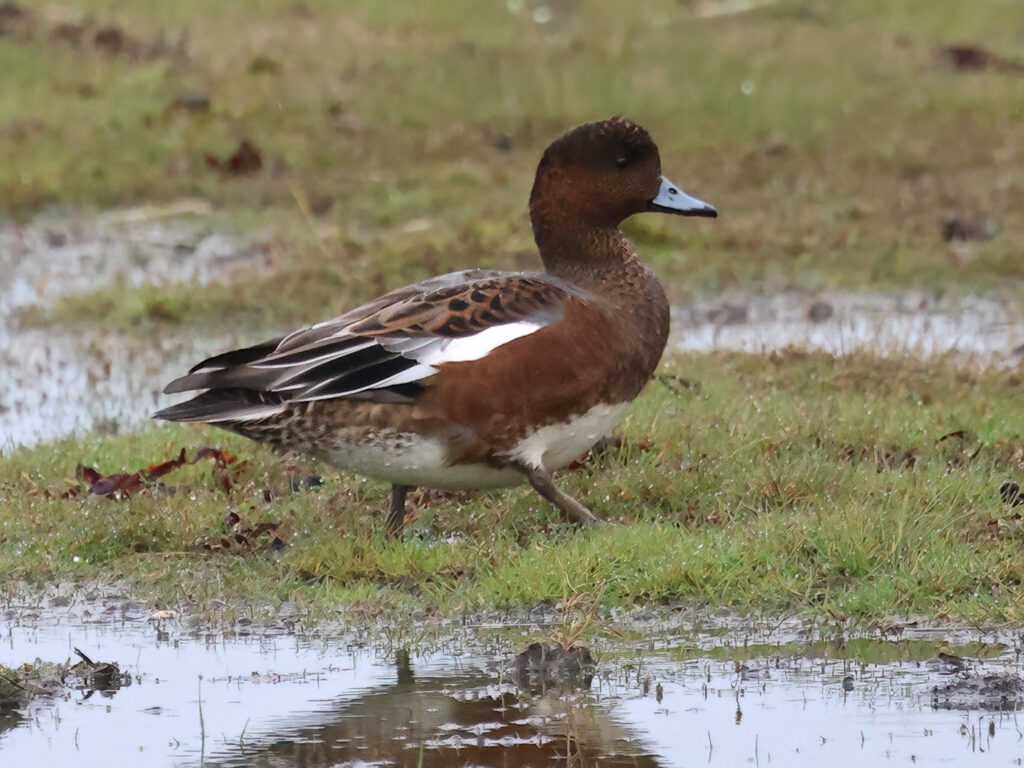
385, 351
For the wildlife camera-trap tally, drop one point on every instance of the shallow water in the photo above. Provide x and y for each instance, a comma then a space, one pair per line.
273, 698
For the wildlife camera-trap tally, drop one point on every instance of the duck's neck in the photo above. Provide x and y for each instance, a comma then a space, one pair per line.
587, 255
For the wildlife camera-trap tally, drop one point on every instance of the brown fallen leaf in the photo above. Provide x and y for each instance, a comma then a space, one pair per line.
244, 160
243, 539
959, 447
677, 385
109, 39
121, 485
193, 101
11, 11
884, 458
967, 58
221, 460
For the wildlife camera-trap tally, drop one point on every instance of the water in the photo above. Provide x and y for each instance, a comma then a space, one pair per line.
276, 698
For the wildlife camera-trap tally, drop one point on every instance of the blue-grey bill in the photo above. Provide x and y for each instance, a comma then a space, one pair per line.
671, 199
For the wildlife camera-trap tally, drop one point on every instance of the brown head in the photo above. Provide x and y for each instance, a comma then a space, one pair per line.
597, 175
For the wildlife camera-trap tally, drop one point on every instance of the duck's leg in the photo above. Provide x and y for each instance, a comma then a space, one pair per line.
572, 509
396, 509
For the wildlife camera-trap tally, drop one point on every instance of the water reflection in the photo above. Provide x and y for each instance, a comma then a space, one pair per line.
460, 719
276, 699
9, 718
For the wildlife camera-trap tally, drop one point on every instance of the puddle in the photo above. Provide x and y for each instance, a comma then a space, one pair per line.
53, 384
972, 330
273, 698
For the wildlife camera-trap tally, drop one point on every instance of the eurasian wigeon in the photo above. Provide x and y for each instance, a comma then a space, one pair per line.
476, 379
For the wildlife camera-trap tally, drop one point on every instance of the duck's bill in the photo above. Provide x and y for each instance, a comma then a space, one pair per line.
671, 199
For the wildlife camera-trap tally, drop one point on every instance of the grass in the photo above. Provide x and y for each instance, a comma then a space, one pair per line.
855, 489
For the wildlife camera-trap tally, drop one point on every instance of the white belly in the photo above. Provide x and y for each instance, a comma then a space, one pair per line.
411, 459
418, 460
556, 445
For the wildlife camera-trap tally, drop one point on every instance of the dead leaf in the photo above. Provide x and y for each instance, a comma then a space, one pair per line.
109, 39
974, 58
243, 539
884, 458
193, 101
677, 385
246, 159
221, 459
121, 485
11, 11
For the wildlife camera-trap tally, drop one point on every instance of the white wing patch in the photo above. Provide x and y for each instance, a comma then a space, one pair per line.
476, 346
428, 354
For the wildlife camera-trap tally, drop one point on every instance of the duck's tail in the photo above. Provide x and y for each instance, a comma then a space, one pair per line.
222, 406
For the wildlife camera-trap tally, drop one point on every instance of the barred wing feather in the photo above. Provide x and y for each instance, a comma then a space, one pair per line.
386, 350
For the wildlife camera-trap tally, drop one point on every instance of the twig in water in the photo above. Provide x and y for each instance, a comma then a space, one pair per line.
202, 725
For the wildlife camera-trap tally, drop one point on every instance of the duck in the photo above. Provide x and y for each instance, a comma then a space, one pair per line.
477, 379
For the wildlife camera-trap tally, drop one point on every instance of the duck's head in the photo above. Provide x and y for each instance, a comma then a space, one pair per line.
599, 174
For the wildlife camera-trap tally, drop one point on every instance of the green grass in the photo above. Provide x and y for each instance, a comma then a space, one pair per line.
798, 483
835, 170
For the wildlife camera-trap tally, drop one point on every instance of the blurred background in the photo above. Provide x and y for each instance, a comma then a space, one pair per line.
227, 170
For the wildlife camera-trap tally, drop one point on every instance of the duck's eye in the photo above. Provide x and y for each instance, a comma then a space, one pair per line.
621, 161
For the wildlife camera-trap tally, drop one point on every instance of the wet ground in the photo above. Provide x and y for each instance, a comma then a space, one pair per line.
52, 384
695, 691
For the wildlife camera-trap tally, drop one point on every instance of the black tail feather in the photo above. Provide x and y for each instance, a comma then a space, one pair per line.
221, 405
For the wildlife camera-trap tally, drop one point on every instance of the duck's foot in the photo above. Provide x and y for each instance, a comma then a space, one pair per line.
396, 509
575, 512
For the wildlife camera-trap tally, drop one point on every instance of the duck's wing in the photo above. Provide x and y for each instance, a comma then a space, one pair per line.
385, 350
